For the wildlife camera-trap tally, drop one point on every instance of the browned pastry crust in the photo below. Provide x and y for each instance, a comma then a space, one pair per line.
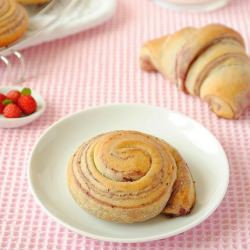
150, 54
172, 46
183, 195
123, 176
228, 95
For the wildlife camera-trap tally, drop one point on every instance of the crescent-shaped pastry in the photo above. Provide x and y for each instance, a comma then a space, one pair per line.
210, 62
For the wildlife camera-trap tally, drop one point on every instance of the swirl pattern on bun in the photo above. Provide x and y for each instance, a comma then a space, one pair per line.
123, 176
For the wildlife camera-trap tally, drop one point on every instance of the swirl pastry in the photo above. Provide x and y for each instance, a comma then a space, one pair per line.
210, 62
125, 176
13, 21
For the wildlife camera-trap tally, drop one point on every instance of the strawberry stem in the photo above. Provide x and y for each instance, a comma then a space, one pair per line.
7, 101
26, 91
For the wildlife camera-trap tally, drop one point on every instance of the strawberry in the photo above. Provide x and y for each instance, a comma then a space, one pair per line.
27, 104
12, 111
2, 98
13, 95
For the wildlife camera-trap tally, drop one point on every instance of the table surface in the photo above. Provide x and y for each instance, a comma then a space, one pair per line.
101, 66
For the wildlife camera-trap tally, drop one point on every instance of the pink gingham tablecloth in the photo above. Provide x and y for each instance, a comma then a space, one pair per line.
101, 66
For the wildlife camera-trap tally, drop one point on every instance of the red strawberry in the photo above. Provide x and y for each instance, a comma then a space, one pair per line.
12, 111
2, 98
13, 95
27, 104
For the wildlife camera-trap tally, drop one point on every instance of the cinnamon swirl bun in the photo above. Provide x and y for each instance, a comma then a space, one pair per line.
123, 176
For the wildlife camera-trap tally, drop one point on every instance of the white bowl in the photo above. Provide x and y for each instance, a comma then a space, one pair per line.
201, 150
18, 122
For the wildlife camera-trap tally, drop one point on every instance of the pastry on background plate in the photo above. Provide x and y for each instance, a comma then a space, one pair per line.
129, 176
13, 22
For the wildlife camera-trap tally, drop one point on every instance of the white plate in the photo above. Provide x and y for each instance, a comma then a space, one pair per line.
64, 18
204, 154
19, 122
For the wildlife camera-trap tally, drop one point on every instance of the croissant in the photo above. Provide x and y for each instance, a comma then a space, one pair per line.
209, 62
128, 176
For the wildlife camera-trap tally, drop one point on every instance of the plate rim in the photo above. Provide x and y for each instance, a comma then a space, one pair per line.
117, 239
94, 19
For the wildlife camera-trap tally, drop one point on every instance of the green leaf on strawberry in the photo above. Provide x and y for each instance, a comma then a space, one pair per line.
6, 102
26, 91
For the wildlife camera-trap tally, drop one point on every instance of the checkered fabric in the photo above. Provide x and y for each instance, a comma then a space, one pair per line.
101, 66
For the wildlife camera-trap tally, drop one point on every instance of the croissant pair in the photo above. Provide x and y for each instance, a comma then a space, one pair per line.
209, 62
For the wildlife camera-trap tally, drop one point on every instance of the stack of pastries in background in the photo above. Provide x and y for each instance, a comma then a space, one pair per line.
129, 176
14, 20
